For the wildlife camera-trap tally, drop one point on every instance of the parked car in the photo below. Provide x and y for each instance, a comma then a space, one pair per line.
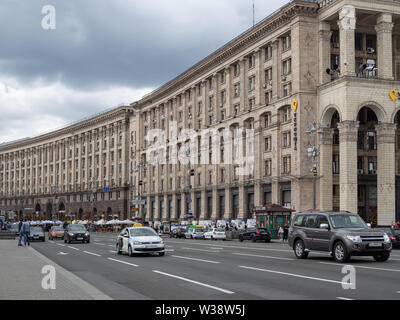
194, 233
255, 234
178, 233
141, 240
76, 232
37, 233
394, 235
215, 234
56, 233
342, 234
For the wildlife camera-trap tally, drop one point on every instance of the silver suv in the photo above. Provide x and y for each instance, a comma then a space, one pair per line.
342, 234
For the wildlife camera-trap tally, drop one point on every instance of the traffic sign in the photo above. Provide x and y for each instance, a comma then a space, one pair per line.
139, 202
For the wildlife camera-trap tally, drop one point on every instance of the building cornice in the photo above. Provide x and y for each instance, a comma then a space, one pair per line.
219, 58
68, 130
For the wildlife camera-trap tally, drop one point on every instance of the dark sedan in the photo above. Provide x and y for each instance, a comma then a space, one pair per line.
178, 233
255, 234
394, 235
76, 232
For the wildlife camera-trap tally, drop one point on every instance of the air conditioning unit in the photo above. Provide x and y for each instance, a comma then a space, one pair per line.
264, 86
221, 105
374, 172
360, 171
283, 78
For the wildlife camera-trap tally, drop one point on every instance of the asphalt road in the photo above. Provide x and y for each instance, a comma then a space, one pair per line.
230, 270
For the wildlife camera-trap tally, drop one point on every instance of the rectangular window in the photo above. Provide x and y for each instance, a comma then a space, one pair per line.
286, 165
287, 89
268, 144
268, 52
286, 139
236, 90
335, 164
268, 167
287, 66
252, 83
251, 61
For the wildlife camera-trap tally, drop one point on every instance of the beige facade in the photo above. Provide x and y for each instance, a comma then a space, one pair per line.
251, 83
63, 173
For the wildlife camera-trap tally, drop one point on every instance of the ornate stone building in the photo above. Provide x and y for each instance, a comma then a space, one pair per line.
339, 60
78, 172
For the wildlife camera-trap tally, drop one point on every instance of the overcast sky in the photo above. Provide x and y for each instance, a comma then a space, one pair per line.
103, 53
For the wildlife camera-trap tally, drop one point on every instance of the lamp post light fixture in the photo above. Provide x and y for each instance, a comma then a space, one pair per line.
313, 152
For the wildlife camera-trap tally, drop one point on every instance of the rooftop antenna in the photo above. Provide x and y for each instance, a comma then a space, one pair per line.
253, 13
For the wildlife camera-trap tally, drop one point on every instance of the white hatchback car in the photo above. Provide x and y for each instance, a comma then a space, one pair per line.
215, 234
142, 240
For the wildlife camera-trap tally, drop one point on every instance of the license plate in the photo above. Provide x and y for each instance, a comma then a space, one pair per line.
79, 238
375, 244
35, 237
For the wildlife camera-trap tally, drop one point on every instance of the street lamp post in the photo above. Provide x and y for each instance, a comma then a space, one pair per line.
139, 168
314, 152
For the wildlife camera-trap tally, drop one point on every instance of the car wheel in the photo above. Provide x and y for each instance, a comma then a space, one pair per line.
253, 239
382, 257
241, 239
212, 238
119, 249
88, 241
130, 252
161, 254
69, 240
340, 253
65, 240
300, 250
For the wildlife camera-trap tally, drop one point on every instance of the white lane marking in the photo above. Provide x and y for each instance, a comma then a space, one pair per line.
255, 255
73, 248
111, 245
93, 254
216, 248
112, 251
250, 248
195, 282
62, 253
120, 261
61, 245
342, 298
398, 291
100, 244
362, 267
294, 275
195, 259
169, 250
213, 251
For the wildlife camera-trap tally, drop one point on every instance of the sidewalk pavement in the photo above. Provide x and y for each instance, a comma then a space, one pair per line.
21, 277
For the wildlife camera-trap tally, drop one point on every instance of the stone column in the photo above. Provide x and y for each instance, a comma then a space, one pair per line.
276, 63
386, 139
228, 203
174, 212
347, 26
324, 37
203, 200
325, 167
215, 204
228, 80
348, 166
384, 27
148, 208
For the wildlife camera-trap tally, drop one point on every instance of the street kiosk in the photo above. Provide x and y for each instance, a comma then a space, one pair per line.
272, 217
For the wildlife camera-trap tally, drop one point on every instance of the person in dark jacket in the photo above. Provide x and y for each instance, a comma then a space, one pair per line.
285, 232
21, 221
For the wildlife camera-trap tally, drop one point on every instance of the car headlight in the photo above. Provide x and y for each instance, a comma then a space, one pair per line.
386, 238
87, 234
71, 234
137, 243
355, 239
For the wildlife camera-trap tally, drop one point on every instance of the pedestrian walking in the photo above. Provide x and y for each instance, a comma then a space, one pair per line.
25, 231
280, 233
397, 225
21, 222
285, 232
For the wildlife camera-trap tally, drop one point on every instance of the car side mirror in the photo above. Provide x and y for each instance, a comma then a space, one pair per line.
369, 225
324, 226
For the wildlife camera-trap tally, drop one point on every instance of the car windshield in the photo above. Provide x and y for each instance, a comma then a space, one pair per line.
219, 230
143, 233
58, 229
198, 230
77, 228
36, 229
347, 222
